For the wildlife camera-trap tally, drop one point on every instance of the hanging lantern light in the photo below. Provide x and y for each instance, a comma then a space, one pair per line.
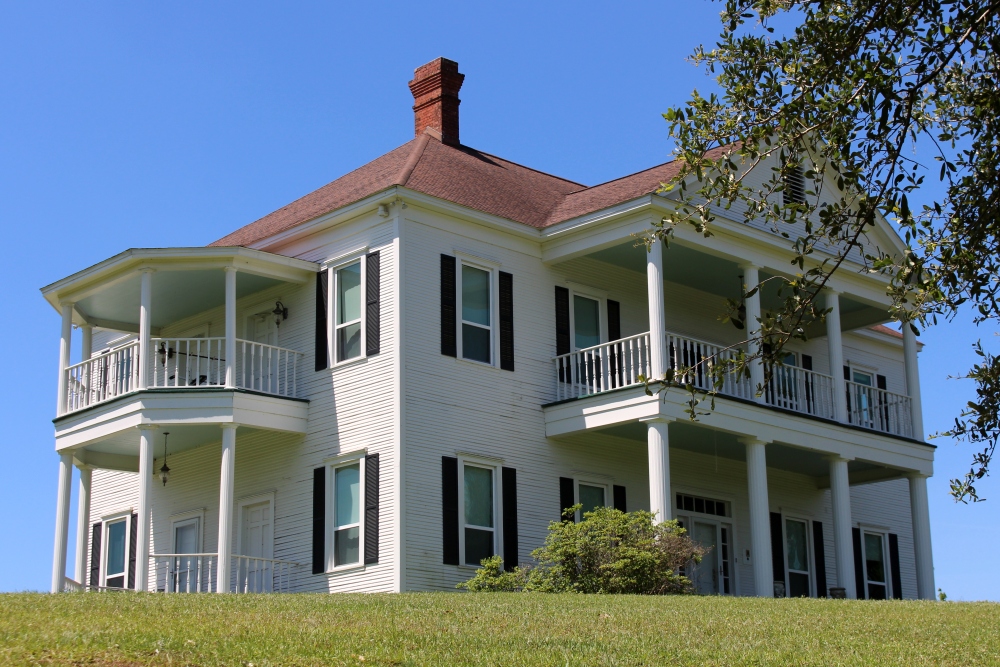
164, 469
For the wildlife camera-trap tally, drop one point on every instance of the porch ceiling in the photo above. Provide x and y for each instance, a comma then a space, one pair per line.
687, 266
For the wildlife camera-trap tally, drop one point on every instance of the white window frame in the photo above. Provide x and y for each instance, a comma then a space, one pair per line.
494, 278
810, 557
602, 312
184, 517
494, 467
886, 565
331, 307
577, 481
331, 496
126, 516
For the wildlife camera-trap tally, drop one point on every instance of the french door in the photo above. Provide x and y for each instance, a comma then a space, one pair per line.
713, 575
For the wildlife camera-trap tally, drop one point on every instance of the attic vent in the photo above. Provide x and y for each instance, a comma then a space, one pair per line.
795, 187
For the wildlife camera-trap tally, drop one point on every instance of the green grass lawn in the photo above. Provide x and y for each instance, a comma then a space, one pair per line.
488, 629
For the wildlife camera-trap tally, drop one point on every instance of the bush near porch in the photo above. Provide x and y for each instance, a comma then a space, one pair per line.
488, 629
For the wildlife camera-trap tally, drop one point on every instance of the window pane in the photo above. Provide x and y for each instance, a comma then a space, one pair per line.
345, 546
478, 497
876, 592
115, 564
862, 378
591, 497
475, 295
478, 545
476, 343
115, 582
873, 557
798, 585
349, 342
349, 293
586, 322
347, 486
796, 546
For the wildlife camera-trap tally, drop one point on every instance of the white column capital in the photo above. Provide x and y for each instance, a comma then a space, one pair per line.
750, 266
657, 419
147, 269
67, 304
834, 458
147, 427
229, 426
751, 440
227, 269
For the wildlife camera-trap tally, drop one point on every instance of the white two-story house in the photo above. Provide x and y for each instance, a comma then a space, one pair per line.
424, 362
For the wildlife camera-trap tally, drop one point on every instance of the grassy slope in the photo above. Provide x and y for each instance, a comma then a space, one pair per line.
489, 629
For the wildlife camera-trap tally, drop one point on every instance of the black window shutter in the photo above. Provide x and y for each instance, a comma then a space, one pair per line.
880, 382
859, 566
321, 343
506, 321
371, 508
508, 480
777, 548
897, 580
847, 373
95, 555
373, 321
133, 528
614, 320
449, 342
819, 559
562, 321
319, 521
807, 362
449, 510
847, 376
567, 496
618, 498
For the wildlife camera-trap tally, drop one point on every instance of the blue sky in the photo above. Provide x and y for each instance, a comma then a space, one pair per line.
142, 125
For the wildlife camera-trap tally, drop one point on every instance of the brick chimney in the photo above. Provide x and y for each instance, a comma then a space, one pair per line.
435, 89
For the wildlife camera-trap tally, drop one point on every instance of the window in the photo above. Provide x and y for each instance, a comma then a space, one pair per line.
875, 566
863, 396
797, 558
586, 322
345, 507
116, 537
689, 503
795, 186
591, 495
347, 309
477, 314
478, 512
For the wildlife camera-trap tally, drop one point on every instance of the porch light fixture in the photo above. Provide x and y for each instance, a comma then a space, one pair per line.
164, 470
280, 313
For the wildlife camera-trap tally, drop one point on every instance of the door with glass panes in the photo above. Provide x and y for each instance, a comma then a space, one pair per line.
587, 334
797, 559
185, 573
707, 522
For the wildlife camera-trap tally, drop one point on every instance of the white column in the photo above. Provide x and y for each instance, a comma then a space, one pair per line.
145, 325
836, 347
658, 440
86, 342
230, 326
226, 480
843, 541
142, 538
921, 518
751, 278
62, 522
65, 345
760, 518
657, 312
913, 380
82, 523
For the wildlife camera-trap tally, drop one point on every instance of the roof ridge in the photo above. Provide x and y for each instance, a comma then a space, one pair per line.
413, 159
622, 178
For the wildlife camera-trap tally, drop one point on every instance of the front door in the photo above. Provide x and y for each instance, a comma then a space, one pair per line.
256, 543
185, 574
261, 359
712, 575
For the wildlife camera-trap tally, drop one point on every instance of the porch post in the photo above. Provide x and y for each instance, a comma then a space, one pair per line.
86, 342
760, 518
145, 323
142, 535
843, 542
230, 326
657, 313
65, 344
913, 381
658, 443
751, 278
226, 480
82, 524
62, 521
836, 347
921, 518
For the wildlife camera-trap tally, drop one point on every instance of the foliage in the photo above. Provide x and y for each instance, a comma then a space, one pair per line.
848, 96
610, 551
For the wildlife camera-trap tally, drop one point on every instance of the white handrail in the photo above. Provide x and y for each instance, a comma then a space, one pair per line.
701, 357
801, 390
104, 376
187, 362
267, 368
603, 367
198, 572
879, 409
262, 575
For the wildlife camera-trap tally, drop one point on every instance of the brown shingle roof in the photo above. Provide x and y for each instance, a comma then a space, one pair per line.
464, 176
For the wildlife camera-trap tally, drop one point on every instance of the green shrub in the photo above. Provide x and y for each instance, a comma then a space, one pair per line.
608, 552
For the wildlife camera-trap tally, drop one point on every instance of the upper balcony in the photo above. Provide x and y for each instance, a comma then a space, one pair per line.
151, 298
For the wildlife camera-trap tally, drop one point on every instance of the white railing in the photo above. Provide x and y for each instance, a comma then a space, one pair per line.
267, 368
102, 377
878, 409
198, 573
801, 390
701, 357
603, 367
72, 585
188, 362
